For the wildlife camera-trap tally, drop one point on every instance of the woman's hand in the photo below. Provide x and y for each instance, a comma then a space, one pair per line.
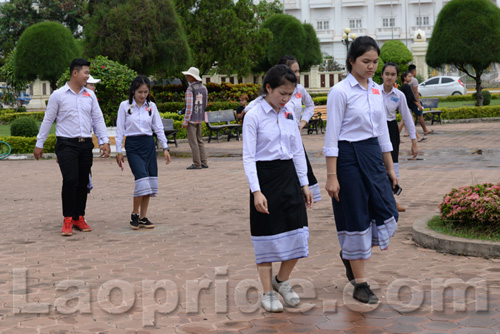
308, 197
333, 187
393, 178
167, 156
260, 202
414, 149
120, 160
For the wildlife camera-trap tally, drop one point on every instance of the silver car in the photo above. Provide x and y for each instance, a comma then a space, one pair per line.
442, 86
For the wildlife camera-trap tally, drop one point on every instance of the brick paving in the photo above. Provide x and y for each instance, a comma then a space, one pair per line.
195, 272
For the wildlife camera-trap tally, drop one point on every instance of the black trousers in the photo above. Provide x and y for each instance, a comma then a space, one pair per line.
394, 135
75, 161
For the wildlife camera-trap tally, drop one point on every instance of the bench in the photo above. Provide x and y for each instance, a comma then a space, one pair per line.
222, 116
433, 115
314, 123
168, 127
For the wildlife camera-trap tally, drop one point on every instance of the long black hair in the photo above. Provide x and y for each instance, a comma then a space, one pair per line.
278, 75
393, 65
138, 82
358, 47
287, 60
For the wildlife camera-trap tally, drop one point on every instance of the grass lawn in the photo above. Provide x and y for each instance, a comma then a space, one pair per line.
5, 129
458, 104
473, 232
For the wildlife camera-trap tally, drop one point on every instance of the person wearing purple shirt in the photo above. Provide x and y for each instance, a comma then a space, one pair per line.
75, 110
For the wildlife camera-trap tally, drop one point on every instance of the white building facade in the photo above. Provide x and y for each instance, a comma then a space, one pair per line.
381, 19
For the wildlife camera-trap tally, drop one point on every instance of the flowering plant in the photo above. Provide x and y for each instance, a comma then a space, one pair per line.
478, 204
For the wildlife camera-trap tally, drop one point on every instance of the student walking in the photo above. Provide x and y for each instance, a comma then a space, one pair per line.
394, 99
360, 172
275, 166
301, 97
75, 109
137, 118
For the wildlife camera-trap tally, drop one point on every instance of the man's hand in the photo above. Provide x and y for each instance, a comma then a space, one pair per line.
302, 124
38, 152
105, 150
184, 126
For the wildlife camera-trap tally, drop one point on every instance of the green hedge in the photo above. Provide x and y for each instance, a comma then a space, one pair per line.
216, 92
9, 117
320, 100
174, 107
470, 112
472, 97
21, 145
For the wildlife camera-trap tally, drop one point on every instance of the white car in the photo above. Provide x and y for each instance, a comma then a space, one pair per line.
442, 86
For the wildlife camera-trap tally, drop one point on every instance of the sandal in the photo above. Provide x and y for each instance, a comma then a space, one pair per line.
421, 139
428, 132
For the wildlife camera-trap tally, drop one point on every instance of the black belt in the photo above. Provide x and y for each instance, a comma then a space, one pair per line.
76, 139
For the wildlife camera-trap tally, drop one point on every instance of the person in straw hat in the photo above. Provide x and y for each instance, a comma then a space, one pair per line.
196, 102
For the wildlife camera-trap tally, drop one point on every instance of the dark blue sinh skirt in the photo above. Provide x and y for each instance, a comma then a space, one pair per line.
366, 215
141, 156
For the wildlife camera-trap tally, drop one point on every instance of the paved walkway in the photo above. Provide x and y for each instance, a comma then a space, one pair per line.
196, 269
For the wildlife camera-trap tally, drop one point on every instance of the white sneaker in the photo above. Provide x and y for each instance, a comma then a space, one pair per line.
286, 291
270, 302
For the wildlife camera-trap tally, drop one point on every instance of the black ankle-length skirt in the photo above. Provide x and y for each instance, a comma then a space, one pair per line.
141, 156
282, 234
366, 215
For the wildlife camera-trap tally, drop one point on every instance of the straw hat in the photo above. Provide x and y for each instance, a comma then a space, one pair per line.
194, 72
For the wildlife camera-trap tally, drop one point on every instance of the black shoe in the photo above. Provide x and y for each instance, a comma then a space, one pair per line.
204, 166
348, 270
193, 166
134, 221
363, 294
145, 223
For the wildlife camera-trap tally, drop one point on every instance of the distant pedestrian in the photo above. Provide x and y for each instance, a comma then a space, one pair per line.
395, 100
410, 101
240, 111
196, 103
137, 118
360, 172
302, 116
275, 166
75, 110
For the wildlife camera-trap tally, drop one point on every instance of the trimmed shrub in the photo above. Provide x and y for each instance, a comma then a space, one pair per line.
320, 100
473, 206
11, 116
486, 97
470, 112
22, 145
21, 109
24, 127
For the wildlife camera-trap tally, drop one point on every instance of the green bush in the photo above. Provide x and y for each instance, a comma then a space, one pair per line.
486, 97
24, 127
21, 145
320, 100
6, 111
470, 112
21, 109
174, 107
11, 116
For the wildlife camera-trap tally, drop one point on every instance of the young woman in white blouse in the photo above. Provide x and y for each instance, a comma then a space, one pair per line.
275, 166
394, 99
136, 120
301, 97
360, 172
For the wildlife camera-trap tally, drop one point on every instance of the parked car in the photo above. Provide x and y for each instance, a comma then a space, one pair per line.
442, 86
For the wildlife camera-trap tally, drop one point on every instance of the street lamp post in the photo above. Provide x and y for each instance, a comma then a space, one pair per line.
345, 38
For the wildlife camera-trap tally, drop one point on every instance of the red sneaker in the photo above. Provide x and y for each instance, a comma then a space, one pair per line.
81, 225
67, 228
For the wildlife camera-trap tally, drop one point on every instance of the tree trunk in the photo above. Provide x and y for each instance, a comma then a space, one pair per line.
479, 89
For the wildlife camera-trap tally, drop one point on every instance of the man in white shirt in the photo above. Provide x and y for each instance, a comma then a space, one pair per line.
75, 109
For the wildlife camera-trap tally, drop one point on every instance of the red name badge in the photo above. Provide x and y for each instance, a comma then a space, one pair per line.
298, 95
86, 94
375, 91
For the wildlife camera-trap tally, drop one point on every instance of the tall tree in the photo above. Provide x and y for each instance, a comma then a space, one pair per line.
265, 9
68, 12
44, 50
146, 35
293, 38
474, 45
14, 85
225, 34
396, 51
15, 17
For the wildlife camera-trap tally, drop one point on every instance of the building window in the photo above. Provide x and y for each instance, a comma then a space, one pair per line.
322, 25
354, 23
422, 20
388, 22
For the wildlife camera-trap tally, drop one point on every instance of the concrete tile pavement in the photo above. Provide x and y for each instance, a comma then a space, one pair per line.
195, 272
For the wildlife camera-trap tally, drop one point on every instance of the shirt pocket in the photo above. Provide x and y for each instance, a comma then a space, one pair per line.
85, 104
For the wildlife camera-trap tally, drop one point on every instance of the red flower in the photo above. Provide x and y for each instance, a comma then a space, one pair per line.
103, 66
